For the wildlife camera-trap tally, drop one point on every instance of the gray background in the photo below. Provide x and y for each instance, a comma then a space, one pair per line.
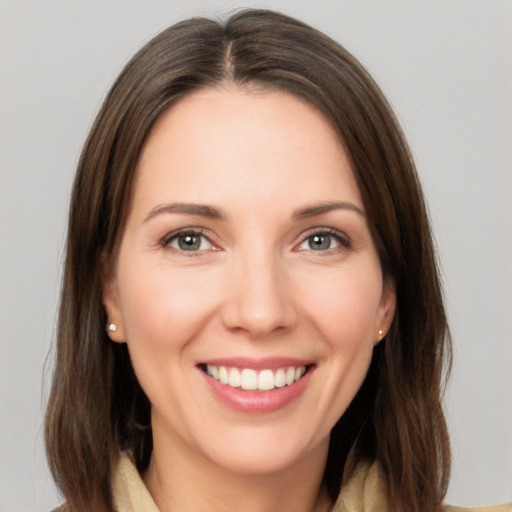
446, 67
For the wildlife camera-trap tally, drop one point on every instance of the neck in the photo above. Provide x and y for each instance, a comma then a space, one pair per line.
180, 479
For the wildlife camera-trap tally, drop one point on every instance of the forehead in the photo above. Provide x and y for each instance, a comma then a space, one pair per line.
250, 143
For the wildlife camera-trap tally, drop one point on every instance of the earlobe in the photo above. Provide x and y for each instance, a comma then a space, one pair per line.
386, 310
114, 327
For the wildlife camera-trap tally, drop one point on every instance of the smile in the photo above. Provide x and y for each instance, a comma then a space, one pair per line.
252, 380
257, 386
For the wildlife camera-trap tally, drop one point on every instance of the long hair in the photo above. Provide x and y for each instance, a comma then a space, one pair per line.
97, 408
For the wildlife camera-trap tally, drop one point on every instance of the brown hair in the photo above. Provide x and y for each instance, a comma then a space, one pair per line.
97, 408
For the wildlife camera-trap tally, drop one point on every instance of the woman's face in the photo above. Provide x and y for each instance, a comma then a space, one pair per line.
247, 261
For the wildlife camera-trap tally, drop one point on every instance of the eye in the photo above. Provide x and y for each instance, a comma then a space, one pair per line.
188, 241
324, 240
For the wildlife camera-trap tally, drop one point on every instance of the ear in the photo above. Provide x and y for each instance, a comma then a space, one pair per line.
386, 310
111, 304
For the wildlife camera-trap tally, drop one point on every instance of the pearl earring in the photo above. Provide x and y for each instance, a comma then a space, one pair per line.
111, 328
380, 333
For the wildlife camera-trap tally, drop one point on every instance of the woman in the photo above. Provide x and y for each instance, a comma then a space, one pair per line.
251, 316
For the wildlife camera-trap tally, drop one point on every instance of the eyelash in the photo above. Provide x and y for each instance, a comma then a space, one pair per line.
332, 233
192, 232
338, 236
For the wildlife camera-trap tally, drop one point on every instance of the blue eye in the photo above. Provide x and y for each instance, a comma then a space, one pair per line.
319, 242
324, 241
189, 241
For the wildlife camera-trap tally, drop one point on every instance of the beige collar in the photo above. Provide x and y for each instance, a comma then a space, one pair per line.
363, 493
130, 493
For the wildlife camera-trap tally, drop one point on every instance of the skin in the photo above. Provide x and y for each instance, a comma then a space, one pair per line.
257, 286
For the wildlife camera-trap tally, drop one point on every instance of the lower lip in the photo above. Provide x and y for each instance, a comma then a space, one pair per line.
258, 402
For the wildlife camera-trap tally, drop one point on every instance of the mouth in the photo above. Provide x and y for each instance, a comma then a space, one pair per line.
249, 379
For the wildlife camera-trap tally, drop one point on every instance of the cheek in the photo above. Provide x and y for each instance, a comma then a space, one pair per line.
344, 305
163, 307
163, 310
344, 310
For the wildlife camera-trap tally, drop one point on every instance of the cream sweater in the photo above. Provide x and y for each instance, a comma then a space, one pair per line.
363, 493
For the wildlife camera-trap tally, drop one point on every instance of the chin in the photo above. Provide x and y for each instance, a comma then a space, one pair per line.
258, 453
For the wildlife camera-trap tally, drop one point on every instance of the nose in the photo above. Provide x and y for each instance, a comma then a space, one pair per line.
260, 298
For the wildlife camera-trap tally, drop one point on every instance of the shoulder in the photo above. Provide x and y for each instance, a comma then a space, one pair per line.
495, 508
365, 491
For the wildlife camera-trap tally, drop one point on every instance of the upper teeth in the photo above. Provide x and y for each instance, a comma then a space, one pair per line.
249, 379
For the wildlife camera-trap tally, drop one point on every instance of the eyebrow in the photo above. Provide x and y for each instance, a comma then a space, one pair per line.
201, 210
319, 209
204, 210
